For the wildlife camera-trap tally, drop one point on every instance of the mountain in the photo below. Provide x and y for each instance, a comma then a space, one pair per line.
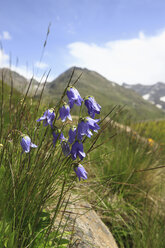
20, 83
107, 93
153, 93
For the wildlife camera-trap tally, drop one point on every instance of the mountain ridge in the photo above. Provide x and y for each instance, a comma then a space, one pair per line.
19, 82
107, 93
153, 93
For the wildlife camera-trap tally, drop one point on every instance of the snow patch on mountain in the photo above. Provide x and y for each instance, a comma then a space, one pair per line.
153, 93
146, 96
162, 99
159, 106
127, 86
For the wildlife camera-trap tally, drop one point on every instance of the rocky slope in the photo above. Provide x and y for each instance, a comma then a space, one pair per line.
153, 93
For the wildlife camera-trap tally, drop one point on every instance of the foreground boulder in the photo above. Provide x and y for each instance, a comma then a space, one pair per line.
88, 230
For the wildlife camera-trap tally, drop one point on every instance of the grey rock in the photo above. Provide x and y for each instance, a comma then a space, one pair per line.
88, 229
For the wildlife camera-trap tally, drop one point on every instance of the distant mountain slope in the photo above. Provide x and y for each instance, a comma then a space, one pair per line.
153, 93
20, 83
8, 102
106, 92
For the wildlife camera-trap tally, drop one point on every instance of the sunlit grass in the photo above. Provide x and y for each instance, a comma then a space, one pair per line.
128, 191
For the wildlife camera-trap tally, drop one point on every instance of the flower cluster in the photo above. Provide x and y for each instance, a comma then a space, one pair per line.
72, 146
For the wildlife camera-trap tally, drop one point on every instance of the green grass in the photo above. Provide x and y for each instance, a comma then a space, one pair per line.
30, 182
124, 183
128, 191
151, 129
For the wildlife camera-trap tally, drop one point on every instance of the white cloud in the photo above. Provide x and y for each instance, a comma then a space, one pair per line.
139, 60
40, 65
23, 70
28, 73
4, 59
5, 36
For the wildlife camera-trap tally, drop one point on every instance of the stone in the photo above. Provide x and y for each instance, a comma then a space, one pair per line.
88, 229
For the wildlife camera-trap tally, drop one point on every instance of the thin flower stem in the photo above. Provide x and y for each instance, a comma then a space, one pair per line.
37, 235
154, 168
63, 95
105, 141
77, 79
108, 114
39, 83
42, 93
56, 211
11, 93
2, 104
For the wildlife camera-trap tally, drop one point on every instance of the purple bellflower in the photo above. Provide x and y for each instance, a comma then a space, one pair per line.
26, 143
77, 150
65, 148
80, 172
93, 124
92, 106
65, 113
48, 117
72, 134
83, 129
57, 135
74, 96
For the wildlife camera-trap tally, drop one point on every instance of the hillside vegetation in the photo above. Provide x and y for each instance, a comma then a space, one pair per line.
125, 178
9, 101
106, 92
151, 129
130, 196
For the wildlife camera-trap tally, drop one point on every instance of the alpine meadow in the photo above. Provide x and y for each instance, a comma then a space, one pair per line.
68, 141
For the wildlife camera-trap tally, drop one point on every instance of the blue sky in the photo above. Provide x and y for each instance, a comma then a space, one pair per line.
124, 40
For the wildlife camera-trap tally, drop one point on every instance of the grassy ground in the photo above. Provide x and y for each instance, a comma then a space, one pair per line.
154, 130
128, 190
30, 181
